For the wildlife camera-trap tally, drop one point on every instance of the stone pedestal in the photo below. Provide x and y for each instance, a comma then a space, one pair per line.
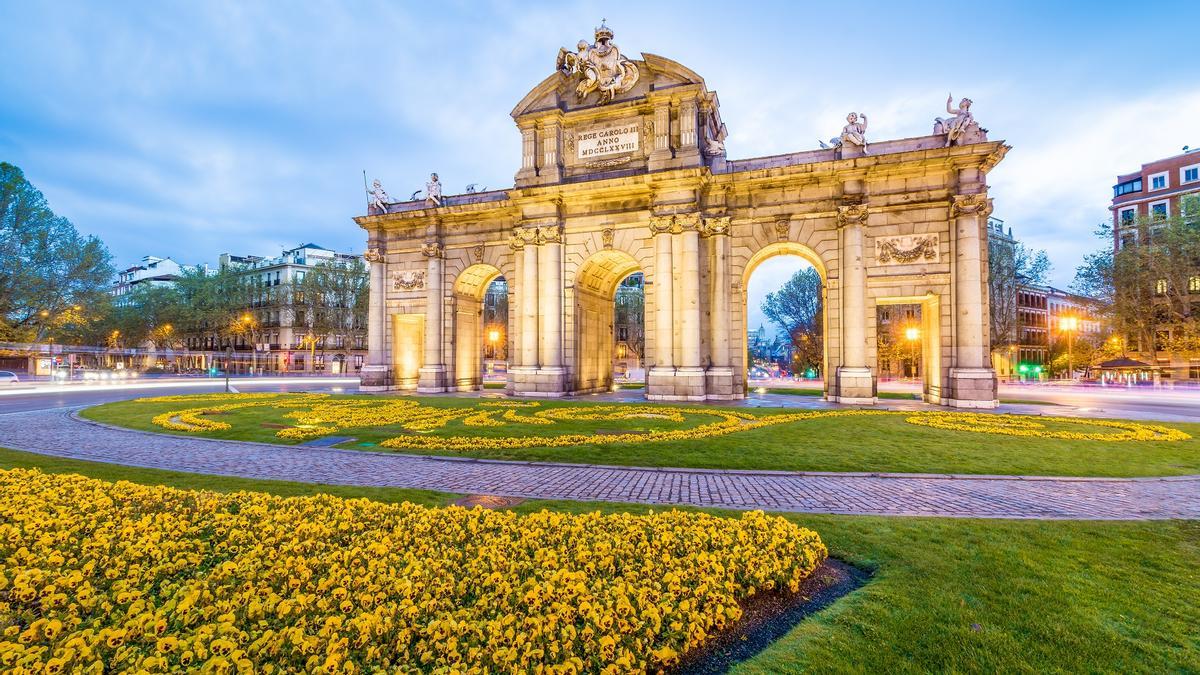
719, 384
972, 388
676, 384
537, 382
432, 380
853, 385
374, 378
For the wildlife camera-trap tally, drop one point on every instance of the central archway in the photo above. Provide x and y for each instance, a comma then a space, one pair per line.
806, 255
596, 285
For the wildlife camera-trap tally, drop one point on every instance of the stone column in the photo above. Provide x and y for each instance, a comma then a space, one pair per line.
528, 292
972, 380
551, 169
854, 383
375, 375
432, 378
689, 295
719, 381
689, 144
550, 307
659, 378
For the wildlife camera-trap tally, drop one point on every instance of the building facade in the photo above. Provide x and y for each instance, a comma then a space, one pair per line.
623, 169
1164, 188
151, 271
281, 337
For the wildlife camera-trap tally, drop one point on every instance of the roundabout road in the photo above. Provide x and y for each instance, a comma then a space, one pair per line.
56, 431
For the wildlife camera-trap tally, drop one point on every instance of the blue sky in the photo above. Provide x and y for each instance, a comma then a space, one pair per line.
190, 129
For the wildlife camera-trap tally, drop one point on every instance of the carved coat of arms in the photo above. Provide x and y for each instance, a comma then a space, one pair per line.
598, 67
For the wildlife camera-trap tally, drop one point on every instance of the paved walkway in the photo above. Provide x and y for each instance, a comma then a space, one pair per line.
57, 432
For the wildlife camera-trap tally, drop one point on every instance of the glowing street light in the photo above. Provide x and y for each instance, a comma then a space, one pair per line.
1068, 325
912, 334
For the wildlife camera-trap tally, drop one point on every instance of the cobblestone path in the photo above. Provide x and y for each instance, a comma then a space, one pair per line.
57, 432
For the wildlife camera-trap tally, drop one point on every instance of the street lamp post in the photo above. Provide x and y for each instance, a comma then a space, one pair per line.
1069, 324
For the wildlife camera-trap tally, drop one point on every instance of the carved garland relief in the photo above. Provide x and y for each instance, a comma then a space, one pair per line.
907, 249
408, 280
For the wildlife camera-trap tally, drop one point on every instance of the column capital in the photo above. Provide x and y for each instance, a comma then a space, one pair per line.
687, 222
661, 224
374, 254
433, 249
851, 214
969, 205
715, 225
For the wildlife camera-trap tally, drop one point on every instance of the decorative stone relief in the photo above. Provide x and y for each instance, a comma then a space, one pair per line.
477, 253
606, 237
907, 249
408, 280
783, 228
432, 249
852, 214
373, 255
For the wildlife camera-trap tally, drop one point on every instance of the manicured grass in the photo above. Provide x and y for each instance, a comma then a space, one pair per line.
885, 443
946, 595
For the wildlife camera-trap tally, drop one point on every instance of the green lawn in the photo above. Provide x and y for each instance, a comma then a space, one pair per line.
863, 443
946, 595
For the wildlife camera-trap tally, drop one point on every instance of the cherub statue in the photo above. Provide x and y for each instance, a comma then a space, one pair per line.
378, 198
855, 132
433, 190
957, 126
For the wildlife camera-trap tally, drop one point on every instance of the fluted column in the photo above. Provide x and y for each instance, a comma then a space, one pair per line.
550, 299
433, 371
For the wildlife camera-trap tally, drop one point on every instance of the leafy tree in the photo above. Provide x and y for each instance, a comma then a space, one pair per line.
331, 302
51, 276
1147, 288
797, 309
1010, 265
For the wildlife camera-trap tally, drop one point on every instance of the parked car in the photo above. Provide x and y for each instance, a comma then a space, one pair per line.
8, 377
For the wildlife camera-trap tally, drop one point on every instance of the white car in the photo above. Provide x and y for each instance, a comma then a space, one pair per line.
8, 377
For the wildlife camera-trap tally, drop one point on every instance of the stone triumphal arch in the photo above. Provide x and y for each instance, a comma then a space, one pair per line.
623, 169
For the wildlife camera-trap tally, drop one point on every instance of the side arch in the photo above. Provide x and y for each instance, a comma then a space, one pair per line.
469, 289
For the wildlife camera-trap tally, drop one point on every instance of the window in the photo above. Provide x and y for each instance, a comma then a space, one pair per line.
1128, 187
1189, 207
1158, 181
1160, 287
1194, 284
1127, 239
1158, 210
1189, 174
1127, 216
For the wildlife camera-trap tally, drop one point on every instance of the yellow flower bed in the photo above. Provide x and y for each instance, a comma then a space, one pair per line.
318, 415
117, 577
1018, 425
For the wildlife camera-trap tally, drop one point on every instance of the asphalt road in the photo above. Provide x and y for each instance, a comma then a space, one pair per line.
64, 397
1167, 405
